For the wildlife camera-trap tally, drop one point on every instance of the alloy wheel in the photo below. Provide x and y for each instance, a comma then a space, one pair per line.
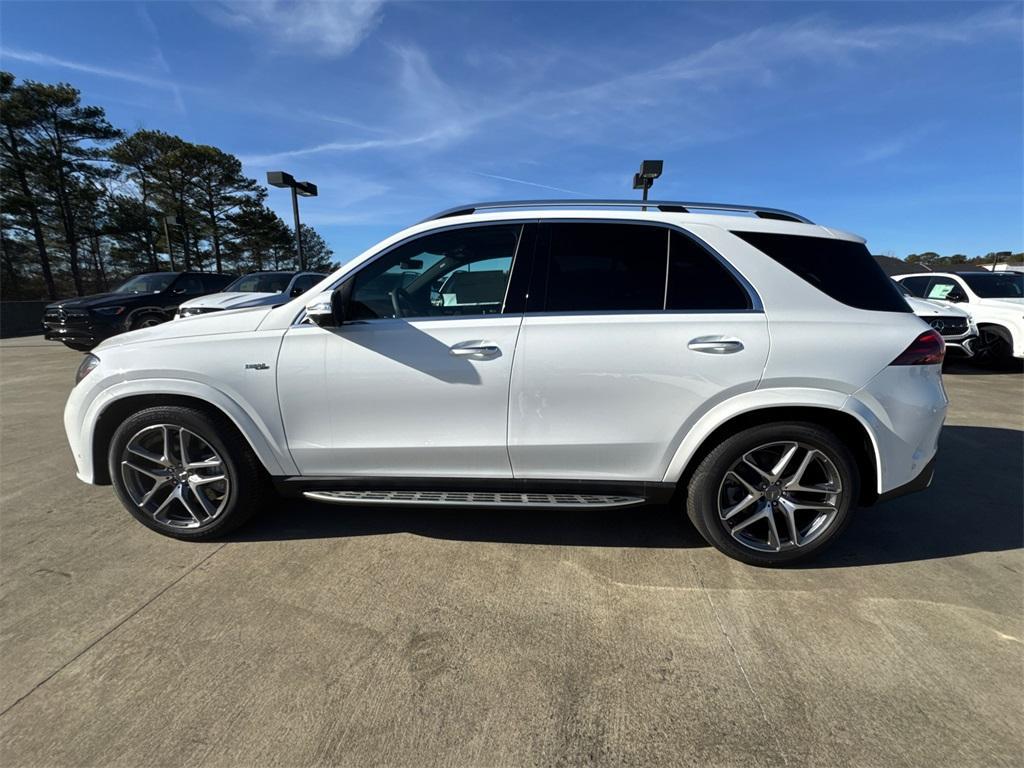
780, 496
175, 476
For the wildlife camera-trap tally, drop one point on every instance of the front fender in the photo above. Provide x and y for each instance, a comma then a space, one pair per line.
260, 435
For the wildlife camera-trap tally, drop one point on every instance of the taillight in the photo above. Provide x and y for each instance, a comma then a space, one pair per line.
926, 349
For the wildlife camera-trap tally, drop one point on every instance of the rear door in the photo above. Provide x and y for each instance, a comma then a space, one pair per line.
631, 332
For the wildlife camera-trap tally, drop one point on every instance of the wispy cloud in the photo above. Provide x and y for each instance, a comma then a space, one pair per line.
328, 29
692, 85
894, 145
160, 59
529, 183
43, 59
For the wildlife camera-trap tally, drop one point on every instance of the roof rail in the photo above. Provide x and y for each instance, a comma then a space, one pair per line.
666, 206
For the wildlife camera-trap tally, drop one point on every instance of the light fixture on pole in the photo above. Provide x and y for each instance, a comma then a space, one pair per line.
644, 178
303, 188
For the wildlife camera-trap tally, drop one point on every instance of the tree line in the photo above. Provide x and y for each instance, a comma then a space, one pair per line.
86, 204
934, 261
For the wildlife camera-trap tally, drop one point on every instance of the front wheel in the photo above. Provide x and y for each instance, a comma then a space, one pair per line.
185, 473
774, 494
992, 347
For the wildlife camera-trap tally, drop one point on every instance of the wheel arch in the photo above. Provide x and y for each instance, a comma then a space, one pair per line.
848, 427
114, 411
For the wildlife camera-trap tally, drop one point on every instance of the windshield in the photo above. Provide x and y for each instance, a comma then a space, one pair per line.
903, 289
261, 282
996, 285
153, 283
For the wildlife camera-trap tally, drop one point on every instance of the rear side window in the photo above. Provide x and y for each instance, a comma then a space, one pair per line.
594, 267
699, 281
844, 270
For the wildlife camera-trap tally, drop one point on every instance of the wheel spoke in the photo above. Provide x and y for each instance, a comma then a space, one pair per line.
162, 483
168, 456
201, 480
152, 473
208, 507
773, 532
182, 445
734, 510
142, 453
781, 464
209, 464
789, 514
183, 498
759, 515
163, 505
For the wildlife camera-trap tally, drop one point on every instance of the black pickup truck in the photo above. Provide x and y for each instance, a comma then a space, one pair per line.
144, 300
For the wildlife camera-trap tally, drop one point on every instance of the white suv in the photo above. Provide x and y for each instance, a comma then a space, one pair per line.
994, 300
741, 362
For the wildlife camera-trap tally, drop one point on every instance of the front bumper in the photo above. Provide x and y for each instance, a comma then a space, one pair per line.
86, 330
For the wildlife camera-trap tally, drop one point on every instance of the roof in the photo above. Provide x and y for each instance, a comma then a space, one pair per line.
665, 206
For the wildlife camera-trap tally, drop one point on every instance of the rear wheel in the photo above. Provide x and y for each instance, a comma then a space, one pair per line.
185, 473
774, 494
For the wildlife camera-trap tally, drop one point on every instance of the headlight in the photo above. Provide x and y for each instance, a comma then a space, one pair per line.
189, 311
89, 362
109, 310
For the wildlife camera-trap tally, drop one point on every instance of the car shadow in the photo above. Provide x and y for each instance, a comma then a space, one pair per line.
648, 526
964, 367
975, 504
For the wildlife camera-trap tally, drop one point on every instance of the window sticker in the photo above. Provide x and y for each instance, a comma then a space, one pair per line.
940, 291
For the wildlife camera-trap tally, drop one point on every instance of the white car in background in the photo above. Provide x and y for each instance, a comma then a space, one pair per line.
956, 327
994, 300
247, 290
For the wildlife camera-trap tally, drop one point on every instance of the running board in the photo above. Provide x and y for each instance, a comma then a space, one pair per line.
475, 499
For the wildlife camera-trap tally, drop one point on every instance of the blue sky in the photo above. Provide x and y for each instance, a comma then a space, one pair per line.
902, 122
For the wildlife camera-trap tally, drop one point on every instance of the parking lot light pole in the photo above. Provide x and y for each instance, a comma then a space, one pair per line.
169, 220
644, 178
303, 188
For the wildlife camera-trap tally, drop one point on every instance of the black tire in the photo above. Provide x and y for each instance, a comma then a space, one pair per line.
706, 485
147, 320
992, 348
78, 347
248, 485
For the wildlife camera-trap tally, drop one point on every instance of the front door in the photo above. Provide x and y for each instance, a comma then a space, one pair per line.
629, 332
417, 384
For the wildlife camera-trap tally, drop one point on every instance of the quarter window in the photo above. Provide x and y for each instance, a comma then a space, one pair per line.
699, 281
844, 270
451, 273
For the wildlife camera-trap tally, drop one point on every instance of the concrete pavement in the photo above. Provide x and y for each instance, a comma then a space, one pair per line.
322, 635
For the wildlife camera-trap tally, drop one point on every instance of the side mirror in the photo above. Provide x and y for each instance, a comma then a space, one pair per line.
330, 308
296, 291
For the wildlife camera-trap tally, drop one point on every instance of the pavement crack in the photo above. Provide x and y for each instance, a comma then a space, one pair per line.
739, 665
110, 631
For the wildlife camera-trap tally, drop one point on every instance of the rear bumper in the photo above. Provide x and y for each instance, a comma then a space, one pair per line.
919, 483
903, 409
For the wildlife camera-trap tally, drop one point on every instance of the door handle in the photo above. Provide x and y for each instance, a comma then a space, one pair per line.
481, 350
715, 345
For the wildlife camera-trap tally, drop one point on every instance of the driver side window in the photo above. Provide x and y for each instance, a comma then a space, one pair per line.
457, 272
945, 289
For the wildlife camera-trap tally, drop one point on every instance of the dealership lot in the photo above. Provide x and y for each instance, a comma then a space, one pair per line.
322, 635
